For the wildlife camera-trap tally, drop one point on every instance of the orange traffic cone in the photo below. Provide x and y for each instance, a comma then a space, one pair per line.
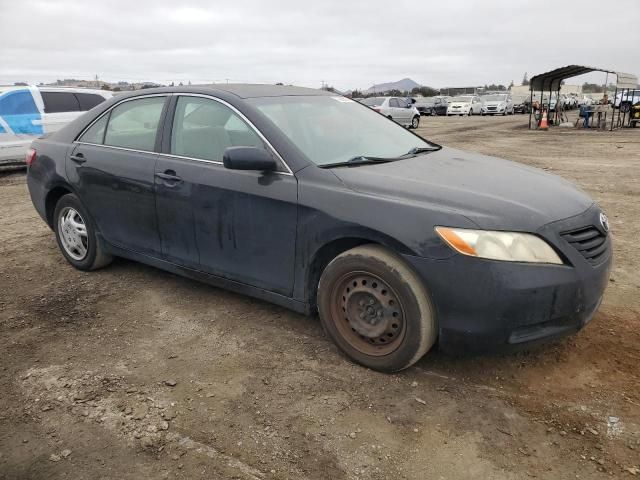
544, 124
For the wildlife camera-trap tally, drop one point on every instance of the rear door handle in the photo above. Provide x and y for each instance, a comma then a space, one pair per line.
169, 176
79, 158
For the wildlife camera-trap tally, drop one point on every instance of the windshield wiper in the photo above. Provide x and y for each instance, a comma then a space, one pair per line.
359, 160
417, 150
362, 160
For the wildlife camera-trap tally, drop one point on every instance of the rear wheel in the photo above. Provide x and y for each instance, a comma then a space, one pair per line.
76, 235
415, 122
376, 309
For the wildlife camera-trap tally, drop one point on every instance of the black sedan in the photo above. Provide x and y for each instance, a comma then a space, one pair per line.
315, 202
431, 106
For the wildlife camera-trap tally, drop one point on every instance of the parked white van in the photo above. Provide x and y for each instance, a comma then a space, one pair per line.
30, 112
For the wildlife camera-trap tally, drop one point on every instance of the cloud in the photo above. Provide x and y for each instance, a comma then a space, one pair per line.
346, 44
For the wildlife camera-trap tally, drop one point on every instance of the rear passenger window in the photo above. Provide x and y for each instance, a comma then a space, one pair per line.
204, 128
89, 100
59, 102
134, 124
394, 102
95, 133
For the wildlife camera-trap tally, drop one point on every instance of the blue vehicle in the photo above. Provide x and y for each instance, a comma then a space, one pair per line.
30, 112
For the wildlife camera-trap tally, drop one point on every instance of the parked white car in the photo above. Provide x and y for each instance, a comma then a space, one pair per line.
465, 105
397, 109
570, 102
30, 112
584, 100
497, 104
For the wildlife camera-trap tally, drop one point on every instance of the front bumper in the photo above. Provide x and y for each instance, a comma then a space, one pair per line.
458, 111
484, 305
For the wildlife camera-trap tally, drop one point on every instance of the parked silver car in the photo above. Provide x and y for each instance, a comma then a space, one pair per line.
395, 108
497, 104
464, 105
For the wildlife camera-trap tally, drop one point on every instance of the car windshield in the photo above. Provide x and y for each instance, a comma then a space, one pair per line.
461, 99
371, 101
332, 130
494, 98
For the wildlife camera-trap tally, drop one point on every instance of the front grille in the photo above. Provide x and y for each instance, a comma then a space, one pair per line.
491, 108
589, 241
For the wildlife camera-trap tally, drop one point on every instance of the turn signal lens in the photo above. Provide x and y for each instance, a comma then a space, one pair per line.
494, 245
30, 157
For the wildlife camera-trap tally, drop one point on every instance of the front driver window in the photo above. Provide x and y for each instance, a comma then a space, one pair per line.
204, 128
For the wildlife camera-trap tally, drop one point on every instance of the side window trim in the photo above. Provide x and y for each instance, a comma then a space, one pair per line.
166, 125
168, 130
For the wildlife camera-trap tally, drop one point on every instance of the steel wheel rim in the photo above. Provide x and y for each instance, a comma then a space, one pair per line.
415, 123
368, 313
73, 233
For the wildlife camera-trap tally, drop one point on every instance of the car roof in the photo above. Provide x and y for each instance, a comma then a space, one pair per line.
238, 89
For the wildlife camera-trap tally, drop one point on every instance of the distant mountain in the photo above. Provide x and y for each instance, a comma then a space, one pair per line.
402, 85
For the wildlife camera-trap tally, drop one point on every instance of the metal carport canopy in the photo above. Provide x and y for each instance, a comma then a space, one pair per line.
550, 81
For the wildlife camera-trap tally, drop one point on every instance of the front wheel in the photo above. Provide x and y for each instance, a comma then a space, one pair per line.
76, 235
376, 309
415, 122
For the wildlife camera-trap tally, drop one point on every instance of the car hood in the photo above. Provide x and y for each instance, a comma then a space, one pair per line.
490, 192
459, 104
495, 104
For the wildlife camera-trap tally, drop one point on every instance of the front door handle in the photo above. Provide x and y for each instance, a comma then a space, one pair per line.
169, 176
79, 158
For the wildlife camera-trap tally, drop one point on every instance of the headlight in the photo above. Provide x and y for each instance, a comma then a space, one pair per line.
506, 246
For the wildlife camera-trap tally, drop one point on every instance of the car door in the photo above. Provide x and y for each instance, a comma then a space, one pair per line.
240, 225
407, 110
393, 108
111, 166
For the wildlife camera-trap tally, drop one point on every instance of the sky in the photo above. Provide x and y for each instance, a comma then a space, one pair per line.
346, 44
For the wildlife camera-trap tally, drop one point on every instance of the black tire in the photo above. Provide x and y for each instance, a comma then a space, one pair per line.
388, 292
415, 122
625, 107
95, 256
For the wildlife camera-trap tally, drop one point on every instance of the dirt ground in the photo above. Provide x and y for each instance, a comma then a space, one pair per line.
131, 373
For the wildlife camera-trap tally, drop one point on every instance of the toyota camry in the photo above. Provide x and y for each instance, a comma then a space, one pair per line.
317, 203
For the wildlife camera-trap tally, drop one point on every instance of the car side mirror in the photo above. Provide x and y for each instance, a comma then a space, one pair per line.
248, 158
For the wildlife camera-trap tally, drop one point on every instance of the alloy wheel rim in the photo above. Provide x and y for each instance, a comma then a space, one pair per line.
73, 233
368, 314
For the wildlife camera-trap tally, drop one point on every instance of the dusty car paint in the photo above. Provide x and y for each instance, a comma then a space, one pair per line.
270, 235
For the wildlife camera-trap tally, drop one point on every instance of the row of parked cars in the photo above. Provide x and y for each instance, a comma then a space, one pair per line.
408, 110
